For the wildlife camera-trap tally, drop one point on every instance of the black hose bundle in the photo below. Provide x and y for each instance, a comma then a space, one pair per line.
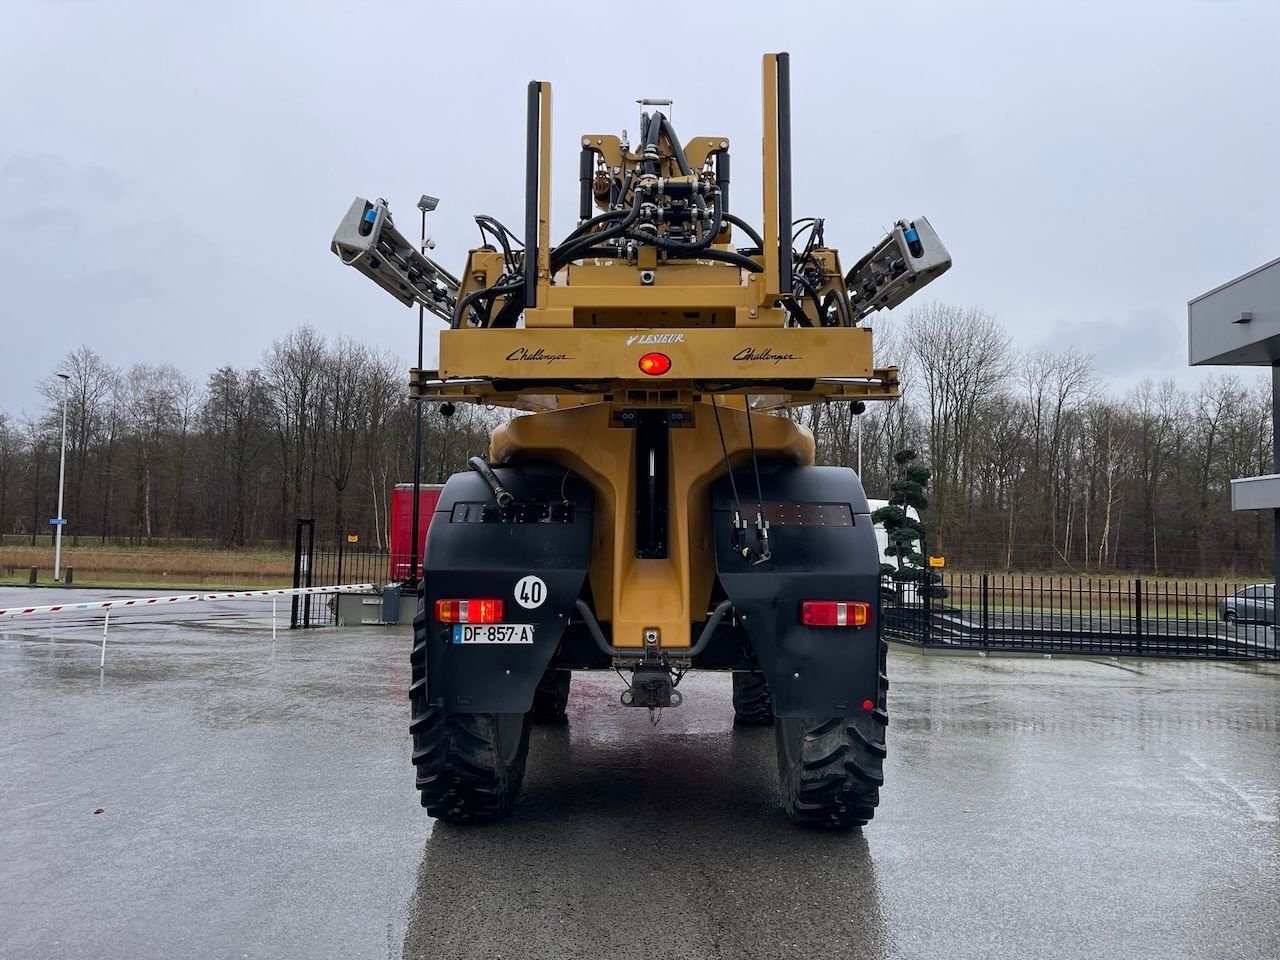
589, 238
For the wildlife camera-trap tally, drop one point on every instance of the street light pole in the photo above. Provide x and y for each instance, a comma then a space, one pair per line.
62, 473
859, 448
425, 204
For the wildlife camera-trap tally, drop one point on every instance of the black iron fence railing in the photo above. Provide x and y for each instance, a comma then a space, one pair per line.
1036, 614
1130, 617
331, 566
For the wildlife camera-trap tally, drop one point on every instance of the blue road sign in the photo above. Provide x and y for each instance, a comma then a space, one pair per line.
58, 522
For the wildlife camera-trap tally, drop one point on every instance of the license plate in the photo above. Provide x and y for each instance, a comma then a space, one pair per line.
493, 633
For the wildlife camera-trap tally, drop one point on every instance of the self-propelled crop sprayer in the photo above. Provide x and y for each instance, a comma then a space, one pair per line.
652, 511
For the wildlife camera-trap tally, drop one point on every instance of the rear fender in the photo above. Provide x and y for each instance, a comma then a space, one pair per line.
823, 547
473, 552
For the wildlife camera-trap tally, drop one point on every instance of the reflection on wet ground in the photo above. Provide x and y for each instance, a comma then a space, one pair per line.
257, 801
641, 842
1034, 809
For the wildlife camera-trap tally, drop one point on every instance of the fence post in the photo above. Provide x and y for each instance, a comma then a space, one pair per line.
310, 571
297, 572
1137, 615
926, 605
986, 606
304, 561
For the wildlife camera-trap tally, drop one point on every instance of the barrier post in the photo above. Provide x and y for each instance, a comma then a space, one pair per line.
106, 622
273, 619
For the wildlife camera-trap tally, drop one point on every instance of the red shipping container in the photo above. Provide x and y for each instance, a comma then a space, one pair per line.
402, 526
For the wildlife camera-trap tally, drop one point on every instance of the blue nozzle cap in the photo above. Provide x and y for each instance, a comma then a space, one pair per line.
911, 235
371, 215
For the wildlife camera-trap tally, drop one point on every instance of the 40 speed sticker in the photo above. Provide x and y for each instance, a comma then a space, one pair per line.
531, 592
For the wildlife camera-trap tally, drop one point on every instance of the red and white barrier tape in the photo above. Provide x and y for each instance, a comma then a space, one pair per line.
182, 598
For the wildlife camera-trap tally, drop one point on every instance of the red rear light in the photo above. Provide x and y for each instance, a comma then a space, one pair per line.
655, 364
469, 611
834, 613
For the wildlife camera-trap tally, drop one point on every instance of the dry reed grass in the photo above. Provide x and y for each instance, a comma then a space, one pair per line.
155, 565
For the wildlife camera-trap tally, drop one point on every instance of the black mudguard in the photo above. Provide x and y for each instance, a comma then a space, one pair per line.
476, 550
823, 548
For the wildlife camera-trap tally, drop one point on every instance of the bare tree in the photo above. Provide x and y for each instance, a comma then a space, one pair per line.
384, 395
343, 378
11, 451
235, 418
1107, 446
90, 393
187, 400
961, 356
150, 410
1054, 384
293, 368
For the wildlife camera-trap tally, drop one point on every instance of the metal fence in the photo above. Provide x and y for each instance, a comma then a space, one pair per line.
328, 566
1118, 617
1046, 614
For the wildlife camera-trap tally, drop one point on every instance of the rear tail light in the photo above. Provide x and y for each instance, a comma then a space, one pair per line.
469, 611
835, 613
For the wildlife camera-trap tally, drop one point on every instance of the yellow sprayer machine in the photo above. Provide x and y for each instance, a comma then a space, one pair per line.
653, 510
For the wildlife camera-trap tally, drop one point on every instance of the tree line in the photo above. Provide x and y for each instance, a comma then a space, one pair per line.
320, 428
1036, 465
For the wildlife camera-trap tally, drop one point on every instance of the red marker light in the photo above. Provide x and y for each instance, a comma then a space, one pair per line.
469, 611
830, 613
868, 705
655, 364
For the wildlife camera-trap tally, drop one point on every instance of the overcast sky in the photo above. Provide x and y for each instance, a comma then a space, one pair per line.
171, 173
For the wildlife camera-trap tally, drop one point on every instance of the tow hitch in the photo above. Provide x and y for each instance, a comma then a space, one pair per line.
651, 686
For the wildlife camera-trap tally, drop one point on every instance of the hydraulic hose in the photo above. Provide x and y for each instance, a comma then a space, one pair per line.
841, 306
651, 134
500, 493
680, 246
746, 228
596, 221
677, 151
566, 252
465, 303
682, 161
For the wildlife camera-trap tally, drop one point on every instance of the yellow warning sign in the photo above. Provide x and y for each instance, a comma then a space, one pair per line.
353, 538
937, 561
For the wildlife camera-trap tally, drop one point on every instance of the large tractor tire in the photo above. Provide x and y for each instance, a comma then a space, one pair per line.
831, 769
469, 765
552, 696
752, 705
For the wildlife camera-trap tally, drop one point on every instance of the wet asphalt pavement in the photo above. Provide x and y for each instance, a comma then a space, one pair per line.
257, 801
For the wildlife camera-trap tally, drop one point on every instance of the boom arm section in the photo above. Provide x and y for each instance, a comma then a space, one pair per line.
910, 256
368, 240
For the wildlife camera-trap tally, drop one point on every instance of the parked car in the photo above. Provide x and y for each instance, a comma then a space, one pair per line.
1256, 604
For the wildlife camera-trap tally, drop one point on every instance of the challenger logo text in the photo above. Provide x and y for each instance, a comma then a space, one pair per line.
763, 356
537, 356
